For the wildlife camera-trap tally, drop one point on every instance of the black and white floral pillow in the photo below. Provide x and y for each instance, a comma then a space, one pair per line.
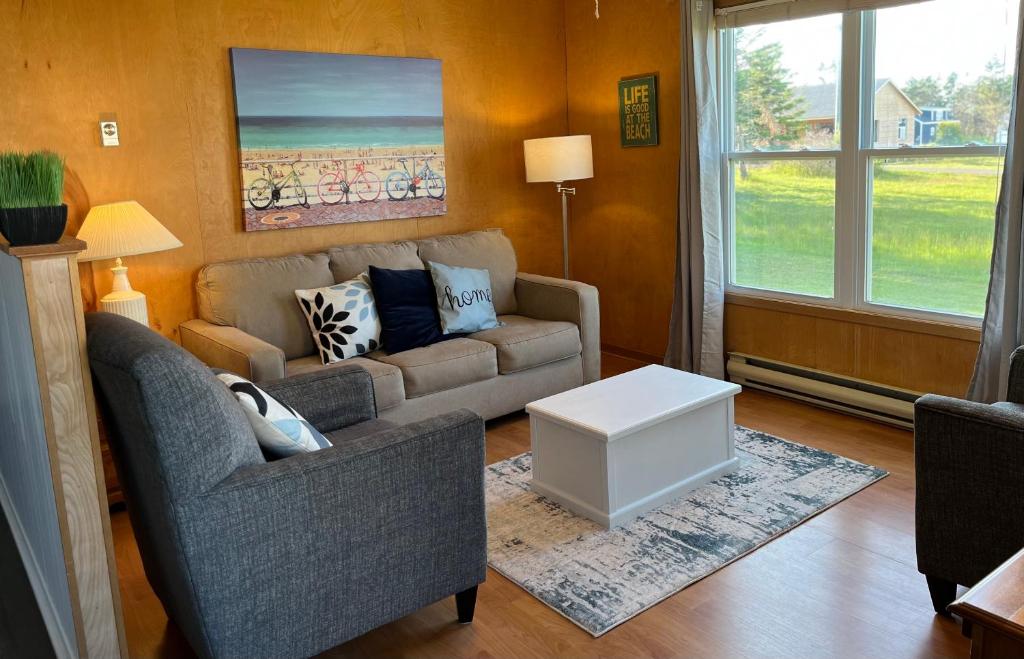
343, 319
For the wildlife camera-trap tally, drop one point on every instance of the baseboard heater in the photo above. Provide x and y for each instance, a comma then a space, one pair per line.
838, 392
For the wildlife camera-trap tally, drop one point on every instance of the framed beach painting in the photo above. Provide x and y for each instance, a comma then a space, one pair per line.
330, 139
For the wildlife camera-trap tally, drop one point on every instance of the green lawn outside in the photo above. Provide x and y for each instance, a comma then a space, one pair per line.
931, 230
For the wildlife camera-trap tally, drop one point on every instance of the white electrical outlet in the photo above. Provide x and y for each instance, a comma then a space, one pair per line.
109, 135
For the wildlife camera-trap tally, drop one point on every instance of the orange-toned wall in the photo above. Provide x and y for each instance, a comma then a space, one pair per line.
623, 223
162, 67
623, 220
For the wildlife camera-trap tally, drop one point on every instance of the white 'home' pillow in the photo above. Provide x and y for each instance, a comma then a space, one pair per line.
343, 319
280, 430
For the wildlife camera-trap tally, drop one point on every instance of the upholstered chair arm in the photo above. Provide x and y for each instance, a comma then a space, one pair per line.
970, 489
229, 348
548, 298
1015, 388
329, 399
339, 541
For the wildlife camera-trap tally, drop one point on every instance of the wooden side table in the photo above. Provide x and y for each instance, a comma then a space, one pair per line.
995, 610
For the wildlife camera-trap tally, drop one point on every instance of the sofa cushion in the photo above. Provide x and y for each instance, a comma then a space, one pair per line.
464, 298
280, 430
348, 261
342, 319
258, 297
489, 250
407, 308
523, 343
388, 388
444, 365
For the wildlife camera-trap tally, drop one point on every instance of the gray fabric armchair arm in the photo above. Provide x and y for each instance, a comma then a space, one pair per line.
548, 298
970, 489
229, 348
346, 539
330, 399
1015, 388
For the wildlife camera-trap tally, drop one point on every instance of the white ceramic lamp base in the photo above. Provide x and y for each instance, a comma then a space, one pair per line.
124, 301
133, 306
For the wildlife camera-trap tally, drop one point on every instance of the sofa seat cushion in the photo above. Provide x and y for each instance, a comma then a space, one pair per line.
523, 343
388, 388
443, 365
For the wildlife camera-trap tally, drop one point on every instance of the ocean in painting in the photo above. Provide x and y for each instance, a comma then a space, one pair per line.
338, 132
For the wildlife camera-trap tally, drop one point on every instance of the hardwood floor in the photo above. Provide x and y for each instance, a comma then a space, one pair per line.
842, 584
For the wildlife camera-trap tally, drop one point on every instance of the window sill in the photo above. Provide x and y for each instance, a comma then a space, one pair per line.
916, 325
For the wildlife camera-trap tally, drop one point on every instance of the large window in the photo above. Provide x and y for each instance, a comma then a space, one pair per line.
863, 153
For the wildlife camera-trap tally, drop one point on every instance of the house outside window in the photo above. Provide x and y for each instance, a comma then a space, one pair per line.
862, 159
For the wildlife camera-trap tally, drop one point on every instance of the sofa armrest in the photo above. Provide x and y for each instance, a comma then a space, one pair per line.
229, 348
1015, 383
969, 458
351, 537
329, 399
548, 298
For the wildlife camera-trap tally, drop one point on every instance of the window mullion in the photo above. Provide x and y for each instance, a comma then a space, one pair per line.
727, 90
848, 247
865, 182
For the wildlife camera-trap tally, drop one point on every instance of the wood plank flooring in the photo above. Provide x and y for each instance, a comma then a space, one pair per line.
843, 584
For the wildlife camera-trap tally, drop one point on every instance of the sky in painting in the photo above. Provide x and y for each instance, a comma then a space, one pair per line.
275, 83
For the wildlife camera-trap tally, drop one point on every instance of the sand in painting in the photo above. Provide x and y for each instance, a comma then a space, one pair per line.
319, 170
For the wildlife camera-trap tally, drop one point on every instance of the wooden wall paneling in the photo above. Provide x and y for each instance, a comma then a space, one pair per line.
623, 220
162, 67
496, 93
910, 360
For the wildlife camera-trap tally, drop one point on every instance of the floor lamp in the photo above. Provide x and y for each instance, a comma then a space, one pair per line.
557, 160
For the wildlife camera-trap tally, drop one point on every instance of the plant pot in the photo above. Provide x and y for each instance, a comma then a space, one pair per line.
33, 226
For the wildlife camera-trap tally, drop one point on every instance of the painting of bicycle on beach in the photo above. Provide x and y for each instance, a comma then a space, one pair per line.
331, 139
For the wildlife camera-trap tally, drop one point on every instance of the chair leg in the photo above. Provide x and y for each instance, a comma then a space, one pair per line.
943, 593
465, 603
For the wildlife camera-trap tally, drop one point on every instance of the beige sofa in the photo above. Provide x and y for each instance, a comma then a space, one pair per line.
251, 324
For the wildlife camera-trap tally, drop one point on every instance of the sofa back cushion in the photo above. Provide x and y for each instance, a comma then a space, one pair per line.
349, 261
258, 297
488, 249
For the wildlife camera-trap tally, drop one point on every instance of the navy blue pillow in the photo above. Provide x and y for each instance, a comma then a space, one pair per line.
407, 306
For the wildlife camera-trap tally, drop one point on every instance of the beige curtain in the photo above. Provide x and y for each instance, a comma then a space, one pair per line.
1003, 327
695, 334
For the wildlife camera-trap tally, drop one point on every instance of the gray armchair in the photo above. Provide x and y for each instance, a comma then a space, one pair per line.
970, 486
287, 558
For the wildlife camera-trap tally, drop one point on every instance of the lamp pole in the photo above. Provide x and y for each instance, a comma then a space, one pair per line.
565, 192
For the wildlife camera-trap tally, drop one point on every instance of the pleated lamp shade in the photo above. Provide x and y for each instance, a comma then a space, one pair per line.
121, 229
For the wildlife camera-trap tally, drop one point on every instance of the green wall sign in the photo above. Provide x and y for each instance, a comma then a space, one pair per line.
638, 111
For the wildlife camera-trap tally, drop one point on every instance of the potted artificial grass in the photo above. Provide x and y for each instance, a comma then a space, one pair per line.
32, 211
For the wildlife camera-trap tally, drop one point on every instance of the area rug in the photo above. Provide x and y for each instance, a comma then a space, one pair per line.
600, 578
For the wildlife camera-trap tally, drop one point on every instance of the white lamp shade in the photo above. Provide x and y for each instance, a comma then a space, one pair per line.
121, 229
558, 159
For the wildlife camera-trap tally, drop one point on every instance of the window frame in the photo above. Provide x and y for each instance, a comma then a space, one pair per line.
853, 193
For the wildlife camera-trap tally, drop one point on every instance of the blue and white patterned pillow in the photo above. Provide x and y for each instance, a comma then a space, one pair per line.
343, 319
280, 430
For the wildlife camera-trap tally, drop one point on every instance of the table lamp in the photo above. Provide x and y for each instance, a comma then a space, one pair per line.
123, 229
557, 160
